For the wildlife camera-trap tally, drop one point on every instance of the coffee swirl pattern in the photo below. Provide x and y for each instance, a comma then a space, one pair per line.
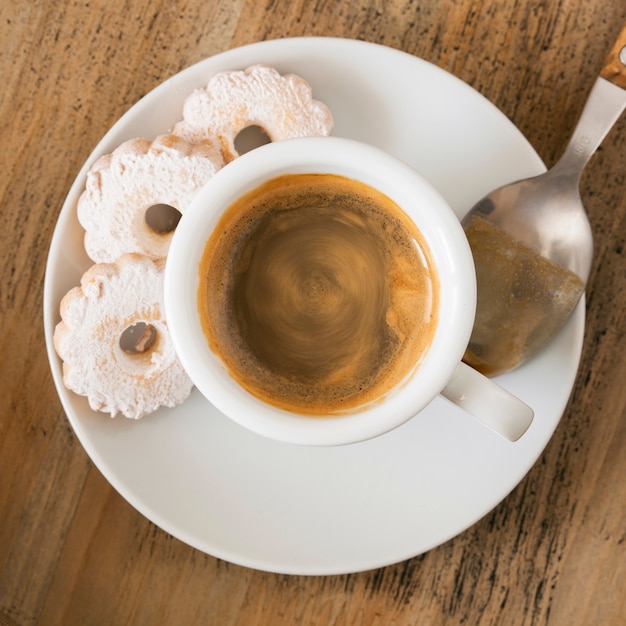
318, 293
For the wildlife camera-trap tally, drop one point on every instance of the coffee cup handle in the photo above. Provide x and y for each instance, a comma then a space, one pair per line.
488, 402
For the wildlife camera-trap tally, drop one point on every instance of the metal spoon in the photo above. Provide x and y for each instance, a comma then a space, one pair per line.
532, 242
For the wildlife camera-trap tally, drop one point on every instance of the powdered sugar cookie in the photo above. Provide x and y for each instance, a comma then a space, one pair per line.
122, 188
114, 341
282, 106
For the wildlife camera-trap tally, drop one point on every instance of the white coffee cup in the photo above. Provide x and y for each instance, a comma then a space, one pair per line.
440, 370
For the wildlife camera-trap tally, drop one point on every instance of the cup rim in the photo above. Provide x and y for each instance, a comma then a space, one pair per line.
403, 184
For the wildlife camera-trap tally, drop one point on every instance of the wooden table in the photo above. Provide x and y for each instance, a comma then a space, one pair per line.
72, 551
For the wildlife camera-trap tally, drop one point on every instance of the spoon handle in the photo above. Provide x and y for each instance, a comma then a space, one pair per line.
604, 106
614, 69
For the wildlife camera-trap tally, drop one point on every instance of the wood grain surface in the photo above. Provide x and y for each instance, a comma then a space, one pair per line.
72, 551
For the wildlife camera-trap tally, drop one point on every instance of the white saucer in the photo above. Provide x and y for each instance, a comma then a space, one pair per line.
297, 510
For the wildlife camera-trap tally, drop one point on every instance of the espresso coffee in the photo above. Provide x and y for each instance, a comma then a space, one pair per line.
318, 293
